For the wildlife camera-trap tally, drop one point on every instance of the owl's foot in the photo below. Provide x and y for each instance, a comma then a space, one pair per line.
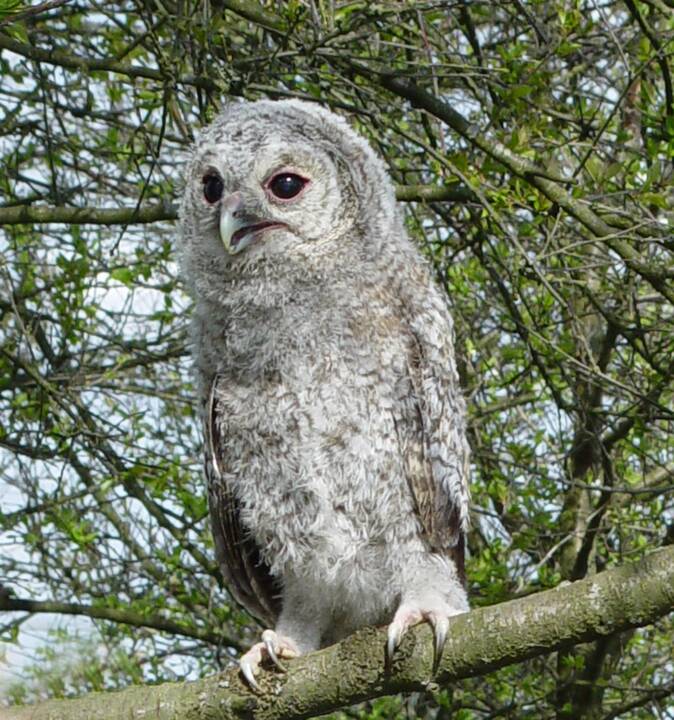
272, 647
410, 613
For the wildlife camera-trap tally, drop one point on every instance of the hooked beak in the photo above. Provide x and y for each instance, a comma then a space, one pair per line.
237, 229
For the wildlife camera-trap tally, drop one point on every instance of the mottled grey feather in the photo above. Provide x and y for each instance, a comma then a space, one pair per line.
336, 448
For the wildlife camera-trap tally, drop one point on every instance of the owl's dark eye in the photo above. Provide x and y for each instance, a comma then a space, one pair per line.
213, 187
286, 185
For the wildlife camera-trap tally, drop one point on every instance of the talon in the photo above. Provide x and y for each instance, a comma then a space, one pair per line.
272, 646
268, 639
435, 611
394, 637
440, 629
406, 616
248, 673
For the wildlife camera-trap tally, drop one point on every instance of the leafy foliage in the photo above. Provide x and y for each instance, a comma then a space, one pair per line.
565, 331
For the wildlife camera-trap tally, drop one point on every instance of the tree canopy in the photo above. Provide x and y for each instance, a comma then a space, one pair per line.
532, 142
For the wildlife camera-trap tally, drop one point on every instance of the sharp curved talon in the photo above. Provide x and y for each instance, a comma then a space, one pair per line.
247, 671
269, 645
440, 629
392, 644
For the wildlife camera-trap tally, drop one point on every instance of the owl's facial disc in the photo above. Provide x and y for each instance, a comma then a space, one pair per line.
238, 229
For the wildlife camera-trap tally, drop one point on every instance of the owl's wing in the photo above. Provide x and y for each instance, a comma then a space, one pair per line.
436, 451
247, 577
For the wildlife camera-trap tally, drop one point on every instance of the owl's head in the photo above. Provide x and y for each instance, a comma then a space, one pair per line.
275, 180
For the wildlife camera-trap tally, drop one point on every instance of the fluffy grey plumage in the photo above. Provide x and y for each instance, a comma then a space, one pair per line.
336, 453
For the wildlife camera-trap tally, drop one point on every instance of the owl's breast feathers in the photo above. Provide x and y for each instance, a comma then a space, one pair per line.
336, 443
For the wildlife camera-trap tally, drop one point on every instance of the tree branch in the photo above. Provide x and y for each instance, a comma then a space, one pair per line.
453, 192
650, 696
118, 615
43, 214
21, 15
481, 641
541, 179
661, 55
86, 64
252, 12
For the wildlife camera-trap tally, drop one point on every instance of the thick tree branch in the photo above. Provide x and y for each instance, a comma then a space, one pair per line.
483, 640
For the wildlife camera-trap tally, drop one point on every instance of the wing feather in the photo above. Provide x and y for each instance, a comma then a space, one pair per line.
437, 455
246, 575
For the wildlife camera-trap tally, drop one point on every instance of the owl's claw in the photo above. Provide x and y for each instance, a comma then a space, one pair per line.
269, 638
247, 668
412, 613
406, 616
273, 647
394, 636
440, 628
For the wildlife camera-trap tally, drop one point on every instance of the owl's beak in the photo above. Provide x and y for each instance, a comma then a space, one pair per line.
230, 223
238, 229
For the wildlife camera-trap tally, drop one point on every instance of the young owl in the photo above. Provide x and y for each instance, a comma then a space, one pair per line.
336, 451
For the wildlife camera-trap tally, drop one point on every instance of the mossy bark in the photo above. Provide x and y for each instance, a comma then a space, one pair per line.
483, 640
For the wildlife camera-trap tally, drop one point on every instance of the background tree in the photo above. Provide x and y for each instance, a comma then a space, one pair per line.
533, 141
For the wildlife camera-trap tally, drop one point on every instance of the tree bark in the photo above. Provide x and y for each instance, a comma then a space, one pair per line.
483, 640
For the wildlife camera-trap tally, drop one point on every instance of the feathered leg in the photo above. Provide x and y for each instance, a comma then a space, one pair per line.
298, 631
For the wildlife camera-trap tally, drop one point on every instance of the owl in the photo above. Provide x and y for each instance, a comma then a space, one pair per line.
335, 443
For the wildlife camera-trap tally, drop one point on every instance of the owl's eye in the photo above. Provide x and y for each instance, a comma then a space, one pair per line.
286, 185
213, 187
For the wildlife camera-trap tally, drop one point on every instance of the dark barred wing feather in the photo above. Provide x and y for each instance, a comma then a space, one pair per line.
436, 453
246, 575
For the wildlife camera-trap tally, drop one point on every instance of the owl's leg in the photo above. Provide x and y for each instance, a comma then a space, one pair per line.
298, 631
430, 598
